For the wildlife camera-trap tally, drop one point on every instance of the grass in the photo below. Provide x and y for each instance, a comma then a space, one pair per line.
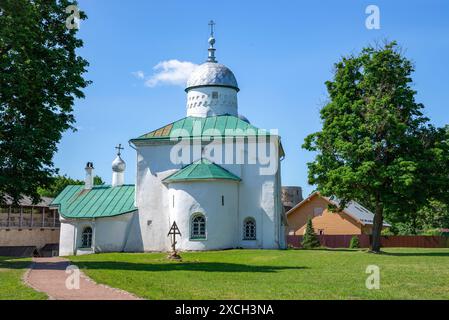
11, 284
263, 274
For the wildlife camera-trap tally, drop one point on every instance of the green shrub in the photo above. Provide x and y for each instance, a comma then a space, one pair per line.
431, 232
310, 239
355, 243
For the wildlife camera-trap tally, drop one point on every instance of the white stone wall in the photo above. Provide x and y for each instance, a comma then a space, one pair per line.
257, 196
191, 198
109, 234
66, 237
211, 101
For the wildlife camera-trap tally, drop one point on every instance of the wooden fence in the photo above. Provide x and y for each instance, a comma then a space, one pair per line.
343, 241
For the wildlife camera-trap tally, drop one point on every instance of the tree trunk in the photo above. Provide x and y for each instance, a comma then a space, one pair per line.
377, 227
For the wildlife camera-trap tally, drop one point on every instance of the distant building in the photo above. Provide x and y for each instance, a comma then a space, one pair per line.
27, 225
354, 219
291, 196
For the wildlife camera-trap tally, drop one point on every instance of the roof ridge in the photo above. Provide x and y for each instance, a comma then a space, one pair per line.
185, 172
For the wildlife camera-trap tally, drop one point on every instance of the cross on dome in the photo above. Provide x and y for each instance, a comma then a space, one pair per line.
119, 149
211, 24
211, 49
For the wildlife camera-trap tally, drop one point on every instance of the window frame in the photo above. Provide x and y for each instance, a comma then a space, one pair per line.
89, 239
254, 231
199, 236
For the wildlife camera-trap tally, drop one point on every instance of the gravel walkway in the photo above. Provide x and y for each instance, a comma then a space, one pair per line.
49, 275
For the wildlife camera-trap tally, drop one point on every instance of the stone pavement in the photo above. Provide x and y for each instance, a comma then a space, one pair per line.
49, 275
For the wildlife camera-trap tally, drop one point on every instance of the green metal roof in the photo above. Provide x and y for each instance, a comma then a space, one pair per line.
197, 127
99, 202
209, 126
201, 170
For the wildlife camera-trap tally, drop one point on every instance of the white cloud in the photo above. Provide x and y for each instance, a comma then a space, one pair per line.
139, 74
170, 72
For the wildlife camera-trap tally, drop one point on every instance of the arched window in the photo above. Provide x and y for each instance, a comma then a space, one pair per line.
249, 229
86, 238
198, 227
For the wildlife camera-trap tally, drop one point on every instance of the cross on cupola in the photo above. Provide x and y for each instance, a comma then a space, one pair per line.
119, 149
211, 49
211, 24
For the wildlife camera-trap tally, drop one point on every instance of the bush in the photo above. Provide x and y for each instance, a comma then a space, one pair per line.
431, 232
387, 232
355, 243
310, 239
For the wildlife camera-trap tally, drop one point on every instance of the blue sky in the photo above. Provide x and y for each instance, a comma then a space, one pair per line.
281, 52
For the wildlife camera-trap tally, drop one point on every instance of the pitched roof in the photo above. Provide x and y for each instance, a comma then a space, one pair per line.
28, 202
214, 126
202, 169
99, 202
224, 125
353, 209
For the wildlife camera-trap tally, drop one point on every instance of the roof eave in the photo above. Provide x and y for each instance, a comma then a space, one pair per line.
99, 217
212, 85
167, 181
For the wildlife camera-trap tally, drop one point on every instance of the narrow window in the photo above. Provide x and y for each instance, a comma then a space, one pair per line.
198, 227
249, 229
86, 238
214, 95
222, 200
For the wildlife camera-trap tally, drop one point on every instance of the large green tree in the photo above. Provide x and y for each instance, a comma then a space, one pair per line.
375, 145
58, 183
41, 75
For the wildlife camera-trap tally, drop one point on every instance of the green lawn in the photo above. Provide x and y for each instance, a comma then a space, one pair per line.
11, 285
262, 274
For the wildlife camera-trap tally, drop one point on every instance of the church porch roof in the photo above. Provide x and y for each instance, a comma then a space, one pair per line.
202, 169
99, 202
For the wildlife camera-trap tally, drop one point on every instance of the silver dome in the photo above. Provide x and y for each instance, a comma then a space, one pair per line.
118, 165
212, 74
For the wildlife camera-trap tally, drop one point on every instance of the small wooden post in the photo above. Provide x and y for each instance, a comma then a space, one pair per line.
21, 217
9, 216
31, 222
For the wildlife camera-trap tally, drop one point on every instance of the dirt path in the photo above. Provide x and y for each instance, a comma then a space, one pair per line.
49, 275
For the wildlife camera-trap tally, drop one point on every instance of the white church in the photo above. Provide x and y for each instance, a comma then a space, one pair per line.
213, 173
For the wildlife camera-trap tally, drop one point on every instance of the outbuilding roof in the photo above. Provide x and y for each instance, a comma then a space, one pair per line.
353, 209
202, 169
99, 202
28, 202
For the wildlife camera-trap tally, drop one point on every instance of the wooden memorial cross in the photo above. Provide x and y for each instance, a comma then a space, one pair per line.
174, 231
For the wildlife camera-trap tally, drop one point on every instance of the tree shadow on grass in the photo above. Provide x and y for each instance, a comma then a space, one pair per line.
416, 254
13, 263
182, 266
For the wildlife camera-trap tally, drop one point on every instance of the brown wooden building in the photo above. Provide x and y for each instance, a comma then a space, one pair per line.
28, 225
354, 219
